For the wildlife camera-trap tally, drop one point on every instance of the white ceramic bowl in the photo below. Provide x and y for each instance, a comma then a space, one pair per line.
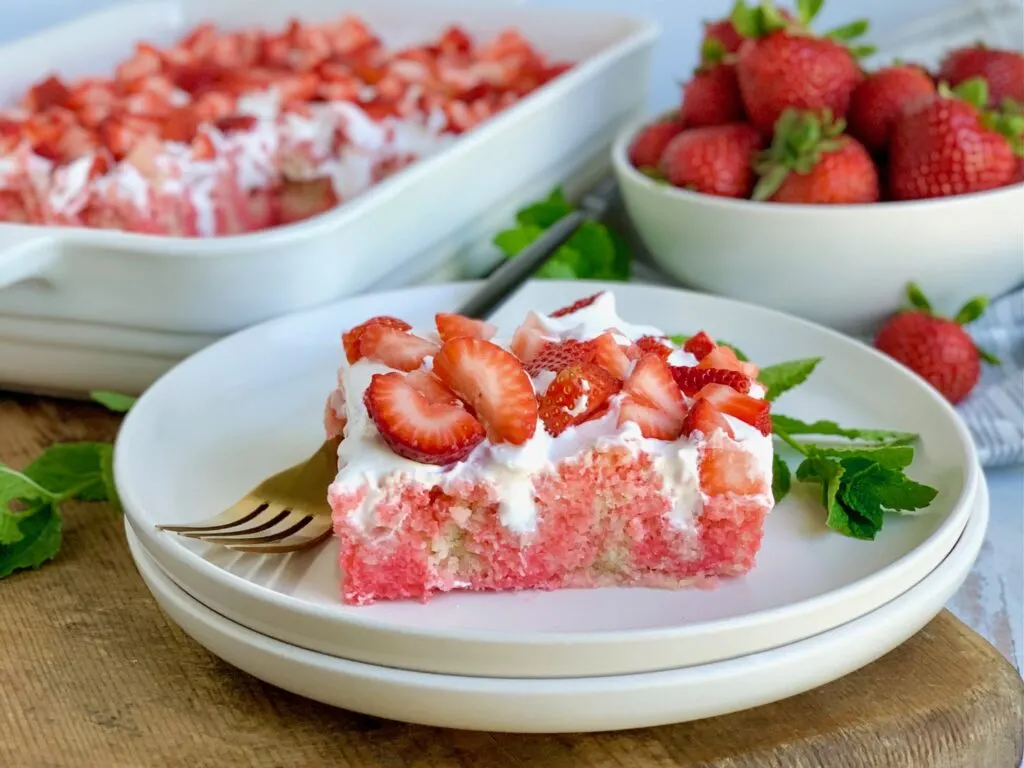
845, 266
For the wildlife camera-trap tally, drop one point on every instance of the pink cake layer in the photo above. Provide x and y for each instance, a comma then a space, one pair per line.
602, 520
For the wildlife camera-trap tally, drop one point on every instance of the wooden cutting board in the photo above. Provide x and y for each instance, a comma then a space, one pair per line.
93, 675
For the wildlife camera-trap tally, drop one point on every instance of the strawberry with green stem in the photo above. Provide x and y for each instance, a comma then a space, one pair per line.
712, 95
1002, 70
936, 348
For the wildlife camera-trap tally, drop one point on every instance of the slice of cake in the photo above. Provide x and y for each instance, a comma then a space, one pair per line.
585, 452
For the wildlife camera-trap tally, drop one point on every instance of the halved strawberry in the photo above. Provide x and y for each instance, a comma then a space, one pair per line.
351, 337
452, 326
394, 348
576, 306
654, 345
725, 467
492, 382
691, 379
705, 419
725, 358
529, 339
428, 385
610, 355
757, 413
413, 427
699, 345
556, 355
652, 399
576, 393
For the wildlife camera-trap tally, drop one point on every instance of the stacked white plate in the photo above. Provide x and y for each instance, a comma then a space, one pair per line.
817, 606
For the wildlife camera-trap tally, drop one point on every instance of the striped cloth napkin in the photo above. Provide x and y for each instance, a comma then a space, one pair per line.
994, 412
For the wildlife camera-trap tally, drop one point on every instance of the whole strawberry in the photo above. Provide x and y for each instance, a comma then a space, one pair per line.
937, 349
947, 146
646, 149
783, 65
716, 160
1002, 70
711, 97
812, 161
881, 98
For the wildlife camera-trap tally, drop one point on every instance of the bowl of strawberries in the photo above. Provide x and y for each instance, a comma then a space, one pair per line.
793, 177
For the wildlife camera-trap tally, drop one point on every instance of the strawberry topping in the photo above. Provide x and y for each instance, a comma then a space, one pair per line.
655, 346
576, 306
396, 349
576, 393
351, 337
692, 378
556, 355
529, 339
611, 356
705, 419
492, 382
699, 345
725, 358
415, 428
452, 326
651, 399
756, 413
428, 385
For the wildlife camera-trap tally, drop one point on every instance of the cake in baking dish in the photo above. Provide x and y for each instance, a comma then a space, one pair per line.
582, 452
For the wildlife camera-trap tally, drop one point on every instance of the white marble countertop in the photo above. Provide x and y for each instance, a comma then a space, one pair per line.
991, 600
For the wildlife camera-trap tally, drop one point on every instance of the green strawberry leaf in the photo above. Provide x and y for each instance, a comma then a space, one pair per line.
863, 51
747, 21
781, 480
712, 51
824, 428
974, 91
972, 310
38, 540
808, 9
850, 31
771, 19
782, 377
987, 356
113, 401
917, 298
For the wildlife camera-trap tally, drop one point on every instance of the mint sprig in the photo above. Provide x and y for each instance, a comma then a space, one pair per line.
782, 377
30, 499
594, 252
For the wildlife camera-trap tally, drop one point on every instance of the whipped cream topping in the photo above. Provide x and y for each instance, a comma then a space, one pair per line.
365, 460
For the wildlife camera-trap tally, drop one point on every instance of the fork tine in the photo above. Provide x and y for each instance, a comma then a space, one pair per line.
209, 525
296, 544
270, 537
225, 531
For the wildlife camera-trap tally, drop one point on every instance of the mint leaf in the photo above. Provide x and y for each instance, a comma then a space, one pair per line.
889, 456
784, 376
73, 470
557, 270
514, 241
781, 479
546, 212
113, 401
873, 489
40, 536
821, 427
595, 249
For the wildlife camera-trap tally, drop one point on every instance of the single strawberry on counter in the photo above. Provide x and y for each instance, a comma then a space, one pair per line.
880, 98
1002, 70
949, 146
936, 348
784, 65
647, 147
812, 161
717, 160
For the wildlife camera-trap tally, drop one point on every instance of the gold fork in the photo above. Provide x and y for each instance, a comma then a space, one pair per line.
289, 511
285, 513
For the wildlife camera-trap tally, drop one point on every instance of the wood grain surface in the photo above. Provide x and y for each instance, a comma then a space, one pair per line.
92, 674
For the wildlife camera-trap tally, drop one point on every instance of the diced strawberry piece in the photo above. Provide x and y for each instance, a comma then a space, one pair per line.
352, 337
120, 134
492, 382
576, 393
394, 348
299, 200
235, 123
691, 379
415, 428
455, 40
652, 400
452, 326
428, 385
529, 339
610, 355
180, 125
146, 61
726, 468
723, 357
699, 345
655, 346
10, 134
704, 419
755, 412
556, 355
51, 92
576, 306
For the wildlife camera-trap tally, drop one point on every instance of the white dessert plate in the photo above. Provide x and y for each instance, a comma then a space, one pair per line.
574, 704
252, 404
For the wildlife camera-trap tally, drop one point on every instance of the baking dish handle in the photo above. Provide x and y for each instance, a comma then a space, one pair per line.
25, 252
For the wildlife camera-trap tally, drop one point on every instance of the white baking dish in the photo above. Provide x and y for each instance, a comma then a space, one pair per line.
427, 212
